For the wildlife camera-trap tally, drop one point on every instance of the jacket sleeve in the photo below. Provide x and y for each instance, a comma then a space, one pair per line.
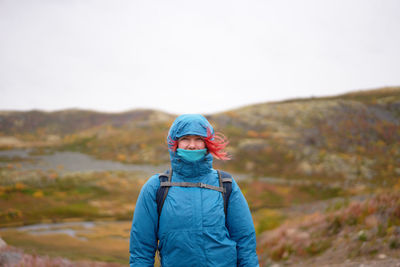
241, 228
143, 237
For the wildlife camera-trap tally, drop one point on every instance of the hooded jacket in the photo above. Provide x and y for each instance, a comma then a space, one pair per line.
192, 229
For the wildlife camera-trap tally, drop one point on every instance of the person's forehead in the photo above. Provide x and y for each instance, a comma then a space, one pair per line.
190, 136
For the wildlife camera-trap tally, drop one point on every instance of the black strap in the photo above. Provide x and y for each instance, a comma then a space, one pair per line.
226, 180
162, 191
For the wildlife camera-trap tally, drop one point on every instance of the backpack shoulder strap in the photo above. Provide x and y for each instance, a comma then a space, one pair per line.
225, 180
162, 191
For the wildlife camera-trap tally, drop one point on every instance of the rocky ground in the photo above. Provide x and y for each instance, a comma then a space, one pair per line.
363, 233
12, 257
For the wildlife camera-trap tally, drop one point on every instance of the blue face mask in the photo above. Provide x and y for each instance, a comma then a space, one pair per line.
191, 155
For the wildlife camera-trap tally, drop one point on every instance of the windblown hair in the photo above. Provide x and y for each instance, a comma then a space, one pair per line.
172, 144
215, 144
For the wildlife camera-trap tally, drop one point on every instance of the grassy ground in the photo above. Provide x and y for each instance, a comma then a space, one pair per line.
106, 242
28, 197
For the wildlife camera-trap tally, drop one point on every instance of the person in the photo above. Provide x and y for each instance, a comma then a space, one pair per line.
191, 229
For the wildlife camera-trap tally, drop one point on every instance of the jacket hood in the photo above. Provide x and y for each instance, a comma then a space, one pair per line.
190, 124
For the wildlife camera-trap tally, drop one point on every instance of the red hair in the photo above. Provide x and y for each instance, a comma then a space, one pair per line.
215, 145
172, 144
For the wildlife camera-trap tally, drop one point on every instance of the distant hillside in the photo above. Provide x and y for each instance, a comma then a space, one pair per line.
132, 136
348, 137
342, 139
70, 121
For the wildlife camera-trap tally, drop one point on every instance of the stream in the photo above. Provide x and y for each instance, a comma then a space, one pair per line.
67, 161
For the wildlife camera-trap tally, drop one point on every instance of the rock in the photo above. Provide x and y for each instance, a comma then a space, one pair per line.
9, 141
382, 256
2, 243
9, 258
291, 232
303, 236
371, 221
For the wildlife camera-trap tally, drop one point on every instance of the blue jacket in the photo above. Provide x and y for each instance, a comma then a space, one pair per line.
192, 229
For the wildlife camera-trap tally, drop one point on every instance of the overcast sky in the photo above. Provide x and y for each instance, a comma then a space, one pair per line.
184, 56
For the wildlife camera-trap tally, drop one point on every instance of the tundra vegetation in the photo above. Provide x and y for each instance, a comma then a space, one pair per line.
321, 176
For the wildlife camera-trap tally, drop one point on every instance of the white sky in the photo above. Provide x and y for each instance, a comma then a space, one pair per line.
185, 56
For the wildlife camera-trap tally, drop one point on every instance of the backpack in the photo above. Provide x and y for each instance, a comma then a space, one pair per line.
225, 187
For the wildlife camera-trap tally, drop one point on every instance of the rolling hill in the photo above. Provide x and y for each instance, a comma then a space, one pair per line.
345, 138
